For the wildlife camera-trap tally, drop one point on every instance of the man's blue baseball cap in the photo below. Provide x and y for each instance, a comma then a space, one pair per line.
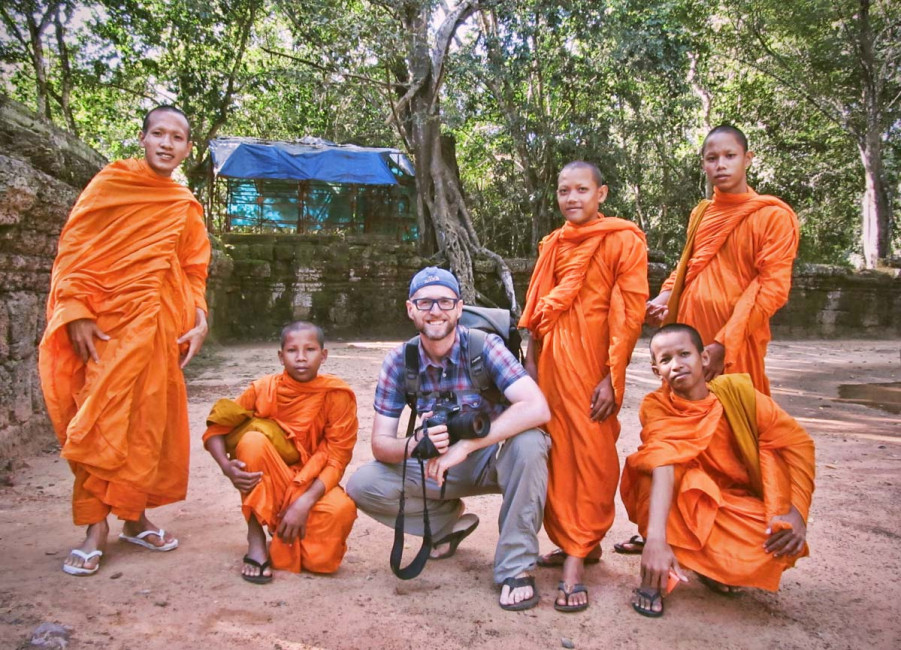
433, 275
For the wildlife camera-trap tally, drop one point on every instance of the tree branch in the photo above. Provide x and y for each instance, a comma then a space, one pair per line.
324, 68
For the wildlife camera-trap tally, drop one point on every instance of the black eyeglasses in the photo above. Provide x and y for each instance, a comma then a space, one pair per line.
444, 304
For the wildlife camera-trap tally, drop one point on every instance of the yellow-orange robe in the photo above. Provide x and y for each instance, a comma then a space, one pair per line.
717, 521
320, 418
133, 257
739, 274
584, 308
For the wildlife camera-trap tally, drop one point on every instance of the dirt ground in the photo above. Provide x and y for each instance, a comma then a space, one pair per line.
844, 596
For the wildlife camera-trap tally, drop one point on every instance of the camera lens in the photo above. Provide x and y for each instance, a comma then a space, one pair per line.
469, 425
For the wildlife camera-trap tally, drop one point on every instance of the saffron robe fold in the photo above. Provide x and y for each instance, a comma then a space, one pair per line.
133, 257
584, 309
718, 518
319, 418
738, 275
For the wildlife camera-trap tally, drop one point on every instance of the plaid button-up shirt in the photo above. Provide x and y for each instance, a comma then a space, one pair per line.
451, 375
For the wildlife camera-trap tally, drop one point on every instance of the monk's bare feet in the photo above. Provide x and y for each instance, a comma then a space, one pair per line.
256, 562
518, 592
571, 595
558, 556
647, 602
133, 529
718, 587
95, 540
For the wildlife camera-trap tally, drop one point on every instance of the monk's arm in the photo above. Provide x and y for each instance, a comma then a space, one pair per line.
528, 409
627, 312
657, 559
232, 468
530, 363
777, 244
785, 449
775, 258
293, 518
214, 443
194, 257
338, 439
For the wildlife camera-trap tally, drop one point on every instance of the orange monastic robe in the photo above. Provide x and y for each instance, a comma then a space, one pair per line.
133, 256
320, 418
584, 308
717, 521
738, 276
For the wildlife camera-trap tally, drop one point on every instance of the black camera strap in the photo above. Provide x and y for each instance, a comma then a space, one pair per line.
397, 550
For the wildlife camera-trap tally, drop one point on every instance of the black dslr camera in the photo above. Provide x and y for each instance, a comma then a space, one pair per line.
460, 425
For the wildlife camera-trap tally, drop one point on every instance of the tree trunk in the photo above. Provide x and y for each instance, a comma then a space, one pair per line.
35, 31
437, 185
875, 205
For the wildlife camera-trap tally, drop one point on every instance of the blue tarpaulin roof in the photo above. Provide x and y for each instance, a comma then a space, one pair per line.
308, 159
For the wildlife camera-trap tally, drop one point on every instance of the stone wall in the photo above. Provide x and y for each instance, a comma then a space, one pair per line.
42, 170
356, 286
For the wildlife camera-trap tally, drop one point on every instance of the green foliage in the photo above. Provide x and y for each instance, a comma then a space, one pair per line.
529, 85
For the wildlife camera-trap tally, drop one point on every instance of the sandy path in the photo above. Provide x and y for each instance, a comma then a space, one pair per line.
844, 596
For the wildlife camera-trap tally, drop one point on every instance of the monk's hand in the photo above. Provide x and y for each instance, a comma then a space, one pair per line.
194, 337
530, 363
455, 454
603, 401
243, 481
293, 520
657, 561
786, 541
656, 309
715, 367
81, 336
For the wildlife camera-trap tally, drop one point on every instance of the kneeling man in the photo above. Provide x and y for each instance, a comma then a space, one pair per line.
284, 444
511, 459
722, 481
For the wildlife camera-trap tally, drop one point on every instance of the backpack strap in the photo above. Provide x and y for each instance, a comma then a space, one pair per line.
478, 373
411, 371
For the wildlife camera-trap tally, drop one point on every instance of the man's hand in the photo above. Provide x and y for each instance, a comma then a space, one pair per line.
243, 481
657, 560
81, 336
656, 309
786, 541
293, 520
454, 455
437, 434
603, 401
194, 337
717, 354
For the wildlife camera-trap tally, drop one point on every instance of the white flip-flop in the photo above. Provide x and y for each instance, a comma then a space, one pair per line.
140, 541
87, 557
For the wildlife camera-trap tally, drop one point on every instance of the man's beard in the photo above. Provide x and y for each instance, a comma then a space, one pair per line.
428, 330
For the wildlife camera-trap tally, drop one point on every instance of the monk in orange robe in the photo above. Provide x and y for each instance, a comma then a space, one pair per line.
736, 267
584, 309
735, 271
722, 481
127, 290
284, 444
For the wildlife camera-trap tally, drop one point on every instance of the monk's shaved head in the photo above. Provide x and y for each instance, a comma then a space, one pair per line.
674, 328
302, 326
581, 164
731, 130
145, 125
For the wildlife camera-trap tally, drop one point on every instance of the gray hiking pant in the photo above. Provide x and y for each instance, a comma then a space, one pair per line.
517, 469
